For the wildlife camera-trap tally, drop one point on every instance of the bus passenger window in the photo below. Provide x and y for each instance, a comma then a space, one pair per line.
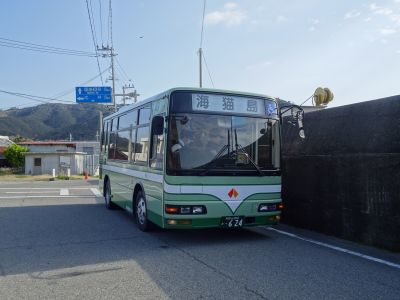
125, 121
122, 148
142, 144
111, 146
144, 115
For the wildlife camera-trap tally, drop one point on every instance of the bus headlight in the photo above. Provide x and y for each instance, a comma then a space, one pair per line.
185, 209
197, 210
266, 207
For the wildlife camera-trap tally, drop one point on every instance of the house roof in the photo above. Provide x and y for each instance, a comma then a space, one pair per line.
48, 143
53, 153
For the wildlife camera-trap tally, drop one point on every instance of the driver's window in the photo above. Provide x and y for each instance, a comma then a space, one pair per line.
157, 150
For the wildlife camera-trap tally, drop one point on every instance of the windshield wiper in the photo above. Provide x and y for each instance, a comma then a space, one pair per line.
218, 155
239, 147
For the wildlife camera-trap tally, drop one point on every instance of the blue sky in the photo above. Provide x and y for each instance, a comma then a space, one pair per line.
284, 49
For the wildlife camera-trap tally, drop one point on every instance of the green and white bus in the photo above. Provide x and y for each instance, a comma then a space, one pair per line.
195, 158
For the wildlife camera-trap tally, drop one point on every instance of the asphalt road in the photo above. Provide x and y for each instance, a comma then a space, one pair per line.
57, 240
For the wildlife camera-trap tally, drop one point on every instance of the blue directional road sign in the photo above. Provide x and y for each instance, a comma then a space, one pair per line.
93, 94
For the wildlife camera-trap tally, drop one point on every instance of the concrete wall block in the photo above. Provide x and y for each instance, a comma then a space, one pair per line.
343, 179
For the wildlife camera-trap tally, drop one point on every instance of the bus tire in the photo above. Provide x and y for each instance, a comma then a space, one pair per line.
141, 212
108, 196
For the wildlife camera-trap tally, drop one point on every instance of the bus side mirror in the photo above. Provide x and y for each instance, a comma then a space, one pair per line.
300, 115
157, 125
297, 114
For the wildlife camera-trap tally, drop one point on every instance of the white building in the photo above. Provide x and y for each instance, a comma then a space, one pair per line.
43, 157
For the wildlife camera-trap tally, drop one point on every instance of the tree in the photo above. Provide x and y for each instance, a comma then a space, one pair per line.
13, 154
18, 138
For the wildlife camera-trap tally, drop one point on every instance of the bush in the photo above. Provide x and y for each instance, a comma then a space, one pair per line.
14, 156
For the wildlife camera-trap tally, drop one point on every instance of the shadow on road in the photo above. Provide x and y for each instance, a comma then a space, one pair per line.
61, 242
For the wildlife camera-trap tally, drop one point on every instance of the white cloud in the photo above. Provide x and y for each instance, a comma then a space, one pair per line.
231, 15
387, 31
352, 14
380, 10
368, 19
315, 21
230, 6
398, 51
259, 65
395, 18
281, 19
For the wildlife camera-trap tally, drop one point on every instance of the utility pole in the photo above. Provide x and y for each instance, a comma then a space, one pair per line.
101, 122
111, 54
123, 92
200, 67
129, 95
113, 78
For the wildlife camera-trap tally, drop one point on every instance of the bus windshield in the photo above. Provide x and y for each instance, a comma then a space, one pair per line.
210, 144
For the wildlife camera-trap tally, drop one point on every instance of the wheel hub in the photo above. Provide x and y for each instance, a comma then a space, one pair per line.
141, 211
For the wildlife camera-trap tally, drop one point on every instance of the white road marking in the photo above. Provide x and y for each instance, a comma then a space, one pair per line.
64, 192
71, 188
367, 257
55, 196
29, 192
96, 192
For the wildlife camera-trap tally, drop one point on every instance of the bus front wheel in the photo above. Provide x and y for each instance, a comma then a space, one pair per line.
141, 212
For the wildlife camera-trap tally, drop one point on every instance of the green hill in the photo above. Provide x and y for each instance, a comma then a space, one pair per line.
53, 121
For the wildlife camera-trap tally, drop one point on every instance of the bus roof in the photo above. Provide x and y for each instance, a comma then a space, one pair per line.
168, 92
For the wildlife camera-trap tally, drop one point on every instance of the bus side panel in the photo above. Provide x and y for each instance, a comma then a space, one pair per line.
120, 189
123, 191
153, 192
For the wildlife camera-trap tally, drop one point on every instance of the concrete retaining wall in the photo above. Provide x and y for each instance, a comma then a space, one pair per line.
344, 178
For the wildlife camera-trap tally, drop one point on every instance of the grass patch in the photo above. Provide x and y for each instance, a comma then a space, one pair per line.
21, 176
6, 171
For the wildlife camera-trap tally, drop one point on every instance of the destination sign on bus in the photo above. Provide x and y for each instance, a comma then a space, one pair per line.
227, 104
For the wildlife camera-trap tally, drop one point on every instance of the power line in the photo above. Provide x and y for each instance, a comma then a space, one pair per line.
121, 75
43, 49
122, 69
208, 71
94, 41
94, 23
101, 24
70, 91
34, 98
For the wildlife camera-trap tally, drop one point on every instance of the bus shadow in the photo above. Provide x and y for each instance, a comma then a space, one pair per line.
43, 238
212, 236
51, 243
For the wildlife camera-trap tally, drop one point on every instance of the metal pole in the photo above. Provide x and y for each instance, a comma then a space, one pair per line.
113, 78
123, 92
200, 67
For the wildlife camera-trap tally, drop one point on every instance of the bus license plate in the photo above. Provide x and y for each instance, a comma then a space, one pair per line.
232, 222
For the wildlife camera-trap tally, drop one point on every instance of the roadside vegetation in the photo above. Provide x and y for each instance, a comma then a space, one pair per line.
15, 157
